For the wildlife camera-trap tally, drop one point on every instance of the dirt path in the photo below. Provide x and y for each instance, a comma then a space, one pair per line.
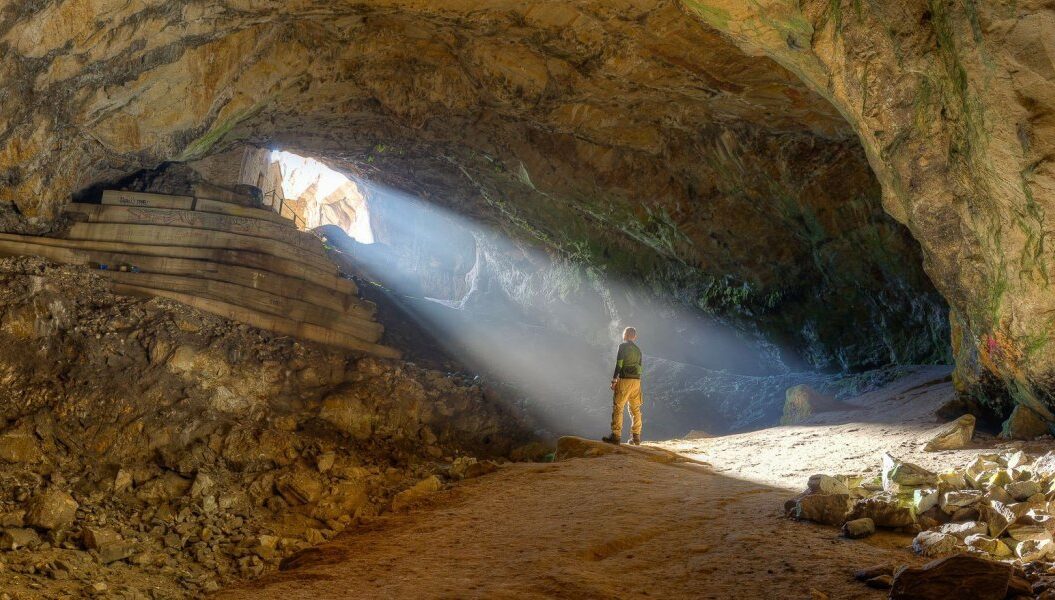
633, 525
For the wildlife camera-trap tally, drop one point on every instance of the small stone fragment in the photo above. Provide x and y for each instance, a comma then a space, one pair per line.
897, 474
884, 511
924, 499
859, 528
1021, 490
826, 484
962, 530
950, 502
423, 488
953, 436
935, 543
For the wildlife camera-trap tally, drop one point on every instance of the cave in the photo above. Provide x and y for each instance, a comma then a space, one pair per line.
284, 280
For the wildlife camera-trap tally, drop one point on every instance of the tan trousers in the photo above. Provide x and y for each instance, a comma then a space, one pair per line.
627, 391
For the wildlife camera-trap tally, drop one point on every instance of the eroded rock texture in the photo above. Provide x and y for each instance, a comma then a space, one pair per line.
953, 102
710, 149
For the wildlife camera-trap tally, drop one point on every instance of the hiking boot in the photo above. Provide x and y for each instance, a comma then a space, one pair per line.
636, 439
612, 439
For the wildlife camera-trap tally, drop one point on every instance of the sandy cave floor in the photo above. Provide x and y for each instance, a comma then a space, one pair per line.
636, 525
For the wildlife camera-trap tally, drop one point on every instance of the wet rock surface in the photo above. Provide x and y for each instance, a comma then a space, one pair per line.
153, 451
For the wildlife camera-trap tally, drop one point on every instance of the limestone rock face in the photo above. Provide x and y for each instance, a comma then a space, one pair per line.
636, 135
953, 108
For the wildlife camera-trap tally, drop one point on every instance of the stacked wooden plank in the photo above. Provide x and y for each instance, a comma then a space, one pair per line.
241, 263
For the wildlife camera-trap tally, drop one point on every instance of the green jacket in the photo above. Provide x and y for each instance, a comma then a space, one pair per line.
628, 362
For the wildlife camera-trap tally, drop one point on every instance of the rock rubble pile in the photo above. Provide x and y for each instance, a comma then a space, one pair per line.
151, 451
999, 506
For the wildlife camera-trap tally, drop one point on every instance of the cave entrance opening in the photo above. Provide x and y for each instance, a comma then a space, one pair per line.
316, 195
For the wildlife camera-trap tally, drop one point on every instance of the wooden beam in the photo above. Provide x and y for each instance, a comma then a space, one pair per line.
280, 285
225, 208
252, 318
252, 260
146, 200
256, 300
96, 213
166, 235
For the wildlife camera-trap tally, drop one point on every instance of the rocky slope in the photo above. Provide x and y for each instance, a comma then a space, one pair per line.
149, 448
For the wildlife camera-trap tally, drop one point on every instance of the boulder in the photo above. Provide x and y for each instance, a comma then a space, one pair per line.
924, 499
999, 517
828, 509
962, 530
1021, 490
802, 401
953, 480
963, 577
898, 474
951, 502
1029, 532
999, 494
345, 498
94, 538
953, 436
859, 528
168, 486
576, 447
347, 412
107, 544
1031, 550
531, 452
936, 543
465, 467
990, 545
51, 509
1044, 466
13, 538
826, 484
19, 447
300, 486
884, 511
1024, 424
421, 489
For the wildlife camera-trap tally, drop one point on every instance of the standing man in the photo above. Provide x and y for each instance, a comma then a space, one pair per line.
626, 383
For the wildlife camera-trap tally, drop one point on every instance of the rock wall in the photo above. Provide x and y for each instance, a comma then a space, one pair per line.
953, 103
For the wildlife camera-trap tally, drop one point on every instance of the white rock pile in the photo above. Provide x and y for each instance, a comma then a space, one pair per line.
999, 506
